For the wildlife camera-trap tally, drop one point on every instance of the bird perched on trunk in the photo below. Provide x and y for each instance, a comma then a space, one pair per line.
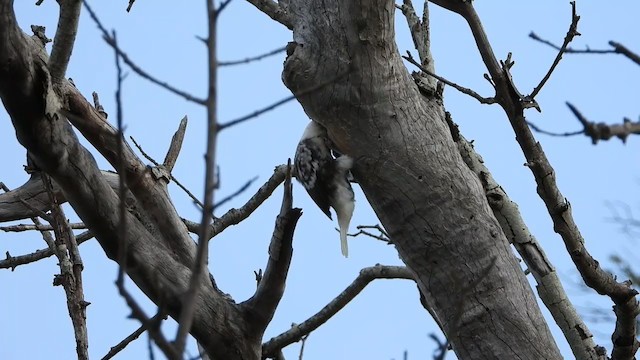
325, 177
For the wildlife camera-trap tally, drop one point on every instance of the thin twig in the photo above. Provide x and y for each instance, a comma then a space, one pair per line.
126, 341
11, 262
201, 258
255, 114
462, 89
173, 178
281, 102
220, 8
536, 128
252, 59
571, 33
137, 69
43, 227
230, 197
602, 131
617, 49
130, 5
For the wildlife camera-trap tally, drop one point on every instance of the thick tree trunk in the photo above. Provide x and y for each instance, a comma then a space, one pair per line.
407, 164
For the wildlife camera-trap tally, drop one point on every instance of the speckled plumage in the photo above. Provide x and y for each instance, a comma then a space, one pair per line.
324, 177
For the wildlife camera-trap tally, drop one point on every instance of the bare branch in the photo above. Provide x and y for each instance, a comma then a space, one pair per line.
27, 227
617, 49
255, 114
462, 89
199, 267
133, 336
602, 131
65, 38
283, 101
536, 128
253, 58
274, 11
11, 262
571, 33
262, 305
137, 69
220, 9
175, 146
130, 5
230, 197
235, 216
297, 332
362, 230
70, 262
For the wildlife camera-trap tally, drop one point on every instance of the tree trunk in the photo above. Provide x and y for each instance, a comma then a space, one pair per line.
348, 75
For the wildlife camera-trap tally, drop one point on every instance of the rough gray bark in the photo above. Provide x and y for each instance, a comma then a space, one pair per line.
407, 164
159, 251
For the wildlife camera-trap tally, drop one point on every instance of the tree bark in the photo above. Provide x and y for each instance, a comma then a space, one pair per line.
408, 166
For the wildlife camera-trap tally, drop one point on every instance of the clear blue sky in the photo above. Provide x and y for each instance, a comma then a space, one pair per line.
386, 318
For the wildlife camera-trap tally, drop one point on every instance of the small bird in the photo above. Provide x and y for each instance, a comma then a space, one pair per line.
325, 177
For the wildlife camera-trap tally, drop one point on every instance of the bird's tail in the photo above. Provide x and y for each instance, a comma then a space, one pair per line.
344, 218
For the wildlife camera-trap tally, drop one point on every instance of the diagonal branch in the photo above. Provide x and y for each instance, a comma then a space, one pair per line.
274, 10
297, 332
462, 89
253, 58
110, 40
602, 131
571, 33
262, 305
65, 38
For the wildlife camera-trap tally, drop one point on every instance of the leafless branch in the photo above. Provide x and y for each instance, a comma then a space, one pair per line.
137, 69
558, 207
152, 325
303, 342
235, 216
253, 58
199, 267
27, 227
65, 38
571, 33
11, 262
175, 146
126, 341
281, 102
298, 331
130, 5
230, 197
70, 262
274, 11
602, 131
536, 128
362, 230
173, 178
220, 9
462, 89
255, 114
262, 305
617, 49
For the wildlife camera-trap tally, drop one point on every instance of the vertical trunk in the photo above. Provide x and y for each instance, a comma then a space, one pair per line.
406, 162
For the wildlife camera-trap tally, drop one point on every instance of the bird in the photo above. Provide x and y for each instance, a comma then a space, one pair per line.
325, 178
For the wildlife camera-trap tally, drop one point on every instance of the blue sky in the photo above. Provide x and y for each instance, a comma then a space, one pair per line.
386, 318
